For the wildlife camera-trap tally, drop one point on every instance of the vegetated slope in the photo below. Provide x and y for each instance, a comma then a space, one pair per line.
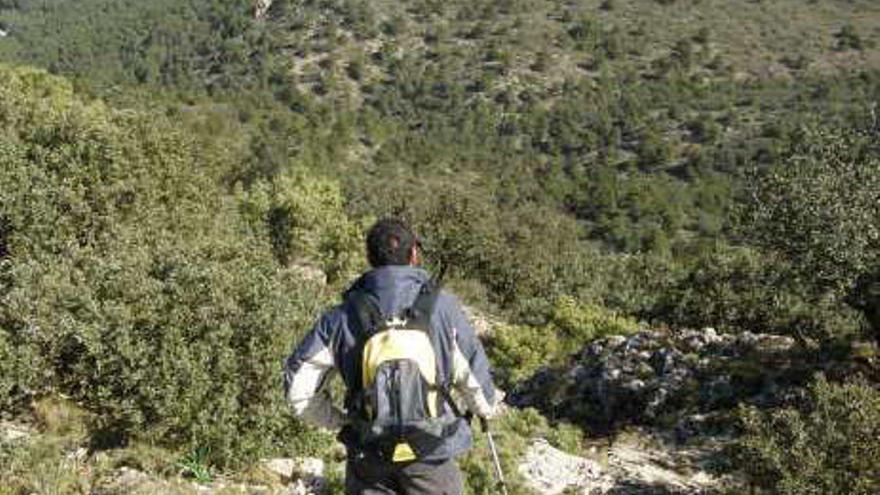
585, 128
132, 284
180, 44
546, 41
562, 158
632, 116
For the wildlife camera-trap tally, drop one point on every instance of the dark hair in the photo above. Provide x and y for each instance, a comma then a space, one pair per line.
389, 242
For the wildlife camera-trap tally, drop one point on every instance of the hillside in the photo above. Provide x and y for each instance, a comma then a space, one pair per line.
635, 117
665, 214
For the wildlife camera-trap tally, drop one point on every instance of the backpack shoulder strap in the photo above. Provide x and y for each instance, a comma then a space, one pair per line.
365, 309
420, 317
419, 314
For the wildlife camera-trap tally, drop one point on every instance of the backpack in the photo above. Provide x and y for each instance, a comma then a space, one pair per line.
397, 406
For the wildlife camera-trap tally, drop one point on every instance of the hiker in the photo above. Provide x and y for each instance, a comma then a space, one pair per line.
402, 347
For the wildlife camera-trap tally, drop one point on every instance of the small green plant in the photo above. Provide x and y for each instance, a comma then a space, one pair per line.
518, 351
848, 39
196, 464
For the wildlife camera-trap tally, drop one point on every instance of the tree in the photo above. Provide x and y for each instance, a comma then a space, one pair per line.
820, 210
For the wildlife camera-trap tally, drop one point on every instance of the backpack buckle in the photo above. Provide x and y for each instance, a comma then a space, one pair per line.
396, 322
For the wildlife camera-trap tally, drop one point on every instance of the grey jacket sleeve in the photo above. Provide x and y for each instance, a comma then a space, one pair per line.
306, 372
471, 376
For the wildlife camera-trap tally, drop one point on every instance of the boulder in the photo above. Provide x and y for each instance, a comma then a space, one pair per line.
304, 475
550, 471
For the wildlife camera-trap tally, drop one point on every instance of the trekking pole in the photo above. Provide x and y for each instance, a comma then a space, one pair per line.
497, 462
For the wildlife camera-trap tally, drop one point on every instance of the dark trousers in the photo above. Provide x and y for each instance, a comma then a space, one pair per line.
367, 476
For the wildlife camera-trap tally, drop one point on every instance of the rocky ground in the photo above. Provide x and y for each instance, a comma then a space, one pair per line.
683, 381
659, 404
638, 463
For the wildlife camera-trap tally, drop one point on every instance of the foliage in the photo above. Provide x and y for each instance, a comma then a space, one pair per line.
168, 212
525, 256
17, 376
581, 323
305, 219
820, 211
128, 277
821, 207
167, 43
518, 351
848, 39
737, 288
195, 464
826, 447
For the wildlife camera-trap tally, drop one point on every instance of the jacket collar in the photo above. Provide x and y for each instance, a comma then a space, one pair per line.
388, 278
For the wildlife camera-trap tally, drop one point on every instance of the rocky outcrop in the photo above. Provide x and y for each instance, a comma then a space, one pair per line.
653, 377
637, 463
550, 471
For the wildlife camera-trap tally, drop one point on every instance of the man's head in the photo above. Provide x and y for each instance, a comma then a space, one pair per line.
392, 242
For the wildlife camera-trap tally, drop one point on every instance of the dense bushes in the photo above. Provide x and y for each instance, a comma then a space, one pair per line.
829, 446
738, 288
527, 255
17, 375
304, 218
820, 211
821, 207
130, 280
133, 283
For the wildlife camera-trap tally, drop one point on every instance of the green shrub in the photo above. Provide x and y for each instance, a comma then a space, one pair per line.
305, 219
736, 289
819, 211
17, 373
828, 447
580, 323
526, 256
848, 39
136, 283
518, 351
